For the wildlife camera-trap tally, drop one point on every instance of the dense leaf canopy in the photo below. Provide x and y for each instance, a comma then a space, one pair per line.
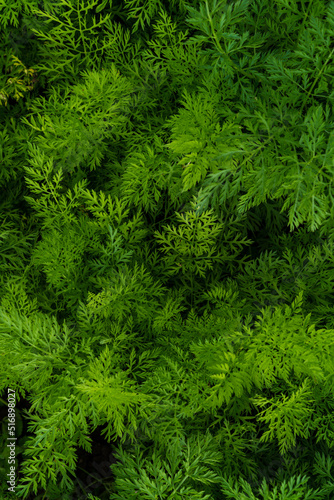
166, 246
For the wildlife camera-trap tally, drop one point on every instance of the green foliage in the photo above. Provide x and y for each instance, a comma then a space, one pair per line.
166, 247
15, 86
177, 471
295, 489
75, 125
191, 245
69, 38
128, 290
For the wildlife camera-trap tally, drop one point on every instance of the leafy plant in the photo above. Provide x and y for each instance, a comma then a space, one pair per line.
166, 247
